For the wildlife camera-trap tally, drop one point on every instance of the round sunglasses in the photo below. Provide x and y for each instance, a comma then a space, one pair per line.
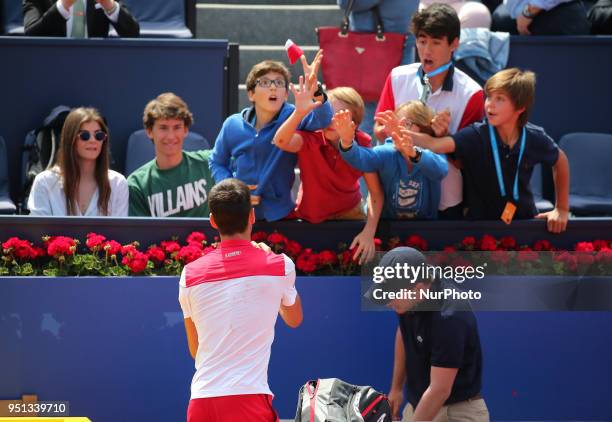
98, 135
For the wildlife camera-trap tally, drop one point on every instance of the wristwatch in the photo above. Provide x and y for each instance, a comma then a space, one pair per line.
418, 152
527, 13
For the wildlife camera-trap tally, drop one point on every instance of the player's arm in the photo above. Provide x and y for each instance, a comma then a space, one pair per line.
396, 394
192, 337
439, 390
292, 314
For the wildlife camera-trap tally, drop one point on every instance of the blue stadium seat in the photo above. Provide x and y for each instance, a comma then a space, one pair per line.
160, 18
536, 184
140, 149
6, 205
12, 16
590, 159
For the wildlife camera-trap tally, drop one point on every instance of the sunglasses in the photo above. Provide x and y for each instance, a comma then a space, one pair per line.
98, 135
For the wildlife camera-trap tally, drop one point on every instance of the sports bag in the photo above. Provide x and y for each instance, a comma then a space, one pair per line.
361, 60
333, 400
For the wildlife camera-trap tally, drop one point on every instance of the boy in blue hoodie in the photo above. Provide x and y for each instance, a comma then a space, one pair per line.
244, 147
410, 176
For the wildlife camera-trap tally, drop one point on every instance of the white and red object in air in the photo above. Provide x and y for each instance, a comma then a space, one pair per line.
293, 51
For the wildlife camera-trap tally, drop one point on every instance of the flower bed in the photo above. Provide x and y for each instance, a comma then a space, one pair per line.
99, 256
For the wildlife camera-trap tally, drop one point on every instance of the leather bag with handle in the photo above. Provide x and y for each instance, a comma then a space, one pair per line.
361, 60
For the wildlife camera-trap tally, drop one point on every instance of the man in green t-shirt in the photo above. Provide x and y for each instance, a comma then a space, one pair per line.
176, 183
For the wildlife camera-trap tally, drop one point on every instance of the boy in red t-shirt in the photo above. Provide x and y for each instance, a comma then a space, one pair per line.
329, 188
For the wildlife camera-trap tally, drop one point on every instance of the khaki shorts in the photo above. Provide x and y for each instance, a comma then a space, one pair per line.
465, 411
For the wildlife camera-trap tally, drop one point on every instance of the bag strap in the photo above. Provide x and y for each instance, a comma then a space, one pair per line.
380, 29
344, 26
378, 23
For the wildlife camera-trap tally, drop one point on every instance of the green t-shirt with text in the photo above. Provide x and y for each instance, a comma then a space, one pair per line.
181, 191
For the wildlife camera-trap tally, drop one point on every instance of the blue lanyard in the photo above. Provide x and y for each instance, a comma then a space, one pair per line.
500, 177
438, 70
425, 90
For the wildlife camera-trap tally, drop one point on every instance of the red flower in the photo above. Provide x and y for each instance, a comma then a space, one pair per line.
527, 255
277, 238
189, 254
585, 258
377, 244
469, 242
569, 260
38, 252
94, 241
307, 261
542, 245
196, 238
488, 243
136, 261
293, 248
500, 257
346, 257
20, 249
327, 258
170, 246
507, 243
450, 249
112, 247
156, 254
604, 256
60, 246
260, 236
584, 247
416, 242
128, 249
600, 244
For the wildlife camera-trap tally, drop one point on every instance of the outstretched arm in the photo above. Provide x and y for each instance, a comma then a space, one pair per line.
556, 220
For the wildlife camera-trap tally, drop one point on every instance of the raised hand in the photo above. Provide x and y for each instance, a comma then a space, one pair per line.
342, 122
311, 70
403, 143
441, 122
303, 95
390, 121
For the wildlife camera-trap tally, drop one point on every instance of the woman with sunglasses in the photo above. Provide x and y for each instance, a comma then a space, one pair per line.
81, 183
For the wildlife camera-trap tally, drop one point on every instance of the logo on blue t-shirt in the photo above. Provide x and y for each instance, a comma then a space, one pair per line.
408, 198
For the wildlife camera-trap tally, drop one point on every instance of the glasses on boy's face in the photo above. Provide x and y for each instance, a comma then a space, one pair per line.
267, 83
98, 135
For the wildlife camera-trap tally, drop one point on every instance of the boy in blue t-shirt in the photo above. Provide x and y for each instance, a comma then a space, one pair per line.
498, 155
410, 176
244, 147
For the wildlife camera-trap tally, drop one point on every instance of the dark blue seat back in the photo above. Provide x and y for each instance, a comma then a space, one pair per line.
589, 156
12, 17
140, 149
536, 185
160, 18
6, 205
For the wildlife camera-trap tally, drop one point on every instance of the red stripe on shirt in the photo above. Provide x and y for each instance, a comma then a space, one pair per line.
387, 100
474, 110
234, 259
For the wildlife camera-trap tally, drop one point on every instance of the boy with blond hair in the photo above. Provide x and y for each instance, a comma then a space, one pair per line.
410, 176
244, 148
499, 155
330, 188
